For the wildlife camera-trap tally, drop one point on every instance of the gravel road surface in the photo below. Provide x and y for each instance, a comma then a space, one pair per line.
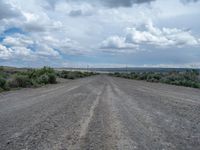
101, 113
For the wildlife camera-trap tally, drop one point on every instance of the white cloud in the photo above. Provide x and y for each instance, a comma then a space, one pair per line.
5, 53
21, 53
40, 23
18, 40
134, 39
164, 37
19, 47
65, 46
44, 50
116, 42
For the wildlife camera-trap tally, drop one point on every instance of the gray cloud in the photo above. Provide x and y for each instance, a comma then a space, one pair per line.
123, 3
79, 12
8, 11
188, 1
107, 3
113, 3
52, 3
76, 13
34, 27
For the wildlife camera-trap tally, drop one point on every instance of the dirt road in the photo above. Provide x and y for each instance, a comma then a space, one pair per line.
101, 113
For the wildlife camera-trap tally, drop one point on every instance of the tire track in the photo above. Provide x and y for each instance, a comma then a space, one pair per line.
105, 130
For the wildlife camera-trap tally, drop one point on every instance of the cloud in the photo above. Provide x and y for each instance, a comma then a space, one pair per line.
40, 23
134, 39
46, 51
18, 53
8, 11
75, 13
18, 40
116, 42
5, 53
57, 29
51, 4
16, 46
22, 53
79, 13
123, 3
107, 3
78, 10
164, 37
64, 46
189, 1
25, 47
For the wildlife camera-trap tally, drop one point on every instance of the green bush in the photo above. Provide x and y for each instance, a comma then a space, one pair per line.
2, 83
189, 78
20, 81
27, 78
52, 78
35, 77
43, 79
74, 74
71, 75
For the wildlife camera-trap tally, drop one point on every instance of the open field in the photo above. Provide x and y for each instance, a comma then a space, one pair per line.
101, 112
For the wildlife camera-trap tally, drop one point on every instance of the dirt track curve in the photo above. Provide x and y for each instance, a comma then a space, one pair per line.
101, 113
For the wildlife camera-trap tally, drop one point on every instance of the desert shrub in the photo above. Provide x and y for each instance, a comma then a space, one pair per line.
2, 83
1, 68
26, 78
43, 79
117, 74
189, 78
20, 81
153, 77
44, 75
142, 76
35, 83
35, 73
52, 78
74, 74
71, 75
3, 74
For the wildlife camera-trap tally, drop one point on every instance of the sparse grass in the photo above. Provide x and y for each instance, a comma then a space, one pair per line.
190, 78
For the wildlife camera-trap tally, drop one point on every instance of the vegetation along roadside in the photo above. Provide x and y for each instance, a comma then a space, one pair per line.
189, 78
14, 78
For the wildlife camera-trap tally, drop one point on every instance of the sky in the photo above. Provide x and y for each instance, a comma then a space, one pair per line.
100, 33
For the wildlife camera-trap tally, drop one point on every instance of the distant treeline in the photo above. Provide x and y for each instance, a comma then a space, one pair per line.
23, 78
188, 78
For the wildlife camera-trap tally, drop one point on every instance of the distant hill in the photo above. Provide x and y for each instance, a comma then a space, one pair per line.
111, 70
129, 69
